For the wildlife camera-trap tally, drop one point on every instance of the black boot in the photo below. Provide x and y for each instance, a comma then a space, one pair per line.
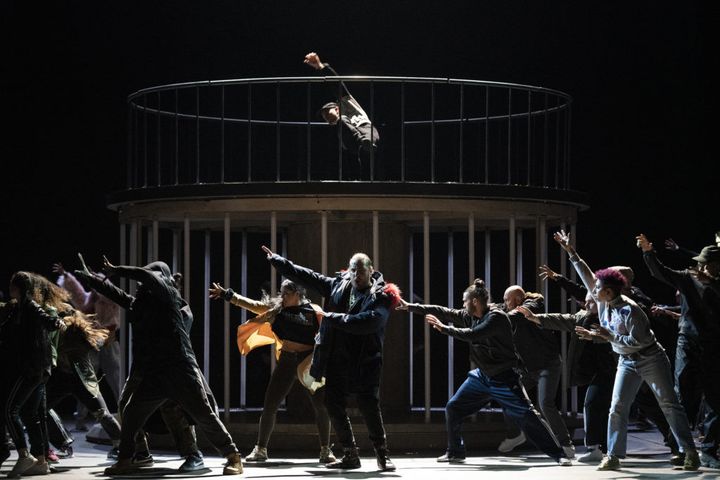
383, 461
350, 460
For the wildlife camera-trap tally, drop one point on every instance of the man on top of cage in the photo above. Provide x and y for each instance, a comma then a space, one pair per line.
359, 135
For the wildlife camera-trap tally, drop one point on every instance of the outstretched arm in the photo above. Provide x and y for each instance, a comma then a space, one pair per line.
363, 323
217, 291
148, 278
80, 297
304, 276
445, 314
104, 287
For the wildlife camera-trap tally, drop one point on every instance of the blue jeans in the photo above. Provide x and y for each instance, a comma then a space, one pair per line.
655, 370
506, 389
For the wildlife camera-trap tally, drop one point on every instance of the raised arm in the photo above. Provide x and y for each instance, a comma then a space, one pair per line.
586, 274
217, 291
80, 297
574, 289
304, 276
151, 280
105, 288
313, 60
667, 275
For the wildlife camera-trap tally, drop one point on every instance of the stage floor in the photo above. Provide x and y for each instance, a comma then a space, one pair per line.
648, 460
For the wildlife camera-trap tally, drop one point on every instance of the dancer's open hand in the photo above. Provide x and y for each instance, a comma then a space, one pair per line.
267, 251
217, 291
434, 322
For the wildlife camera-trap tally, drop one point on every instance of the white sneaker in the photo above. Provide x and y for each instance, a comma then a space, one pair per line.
509, 444
22, 465
258, 454
564, 462
569, 451
592, 455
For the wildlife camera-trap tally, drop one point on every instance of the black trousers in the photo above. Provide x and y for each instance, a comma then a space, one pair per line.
697, 379
183, 385
597, 408
63, 384
337, 392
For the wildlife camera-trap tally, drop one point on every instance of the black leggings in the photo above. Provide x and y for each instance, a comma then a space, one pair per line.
23, 405
282, 380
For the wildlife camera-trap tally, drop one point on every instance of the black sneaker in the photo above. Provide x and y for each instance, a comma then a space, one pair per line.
65, 452
192, 463
143, 459
349, 461
383, 461
4, 455
113, 453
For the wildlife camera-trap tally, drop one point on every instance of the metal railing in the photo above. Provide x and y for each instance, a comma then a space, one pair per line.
269, 129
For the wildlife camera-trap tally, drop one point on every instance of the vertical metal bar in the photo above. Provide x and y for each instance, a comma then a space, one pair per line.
149, 245
513, 249
519, 262
156, 239
129, 146
273, 275
206, 305
243, 319
462, 124
471, 248
186, 257
249, 133
140, 247
132, 287
197, 134
309, 132
376, 239
222, 134
529, 137
177, 139
226, 319
411, 332
402, 131
567, 148
451, 304
372, 131
145, 142
509, 138
432, 132
557, 141
124, 325
158, 149
488, 259
323, 242
136, 150
426, 294
542, 255
175, 250
277, 133
339, 131
563, 309
487, 135
545, 142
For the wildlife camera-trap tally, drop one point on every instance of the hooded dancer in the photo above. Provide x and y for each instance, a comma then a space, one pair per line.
168, 366
350, 345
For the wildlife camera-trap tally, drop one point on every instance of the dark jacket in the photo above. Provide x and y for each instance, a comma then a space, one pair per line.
538, 348
74, 358
358, 131
490, 337
585, 359
160, 338
32, 325
700, 303
351, 336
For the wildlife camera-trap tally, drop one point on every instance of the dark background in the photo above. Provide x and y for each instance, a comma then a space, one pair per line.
643, 131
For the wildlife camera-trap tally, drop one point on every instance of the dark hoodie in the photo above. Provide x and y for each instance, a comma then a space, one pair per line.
160, 336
